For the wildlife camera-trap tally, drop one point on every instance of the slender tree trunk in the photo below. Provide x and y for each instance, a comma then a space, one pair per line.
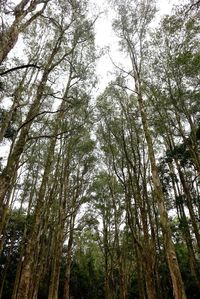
178, 286
66, 294
185, 229
9, 37
148, 250
13, 160
140, 274
189, 203
192, 259
56, 263
14, 157
192, 142
19, 266
32, 239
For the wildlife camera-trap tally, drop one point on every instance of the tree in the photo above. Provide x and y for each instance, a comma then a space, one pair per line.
24, 14
132, 27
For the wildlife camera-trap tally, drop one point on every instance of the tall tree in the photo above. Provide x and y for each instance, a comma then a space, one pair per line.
132, 27
24, 14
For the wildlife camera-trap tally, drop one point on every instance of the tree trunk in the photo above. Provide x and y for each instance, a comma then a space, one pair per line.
55, 273
33, 238
178, 286
14, 157
189, 203
13, 160
185, 230
9, 37
66, 294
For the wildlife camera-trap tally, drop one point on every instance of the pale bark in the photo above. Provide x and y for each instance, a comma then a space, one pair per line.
189, 203
66, 293
24, 284
56, 264
177, 282
178, 286
9, 36
16, 151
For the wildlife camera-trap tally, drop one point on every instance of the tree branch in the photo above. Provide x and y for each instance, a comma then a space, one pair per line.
19, 67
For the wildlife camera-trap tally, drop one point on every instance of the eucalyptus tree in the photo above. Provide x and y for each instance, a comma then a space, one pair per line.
80, 180
107, 204
177, 62
23, 130
34, 98
76, 168
71, 30
132, 25
175, 99
175, 191
67, 54
103, 207
125, 154
15, 18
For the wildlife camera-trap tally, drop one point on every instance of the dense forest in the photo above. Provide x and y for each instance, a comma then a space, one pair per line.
99, 190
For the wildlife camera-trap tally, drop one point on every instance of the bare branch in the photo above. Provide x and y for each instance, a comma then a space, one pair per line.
19, 68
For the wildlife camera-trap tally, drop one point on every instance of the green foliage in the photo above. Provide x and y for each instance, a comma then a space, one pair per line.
86, 282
